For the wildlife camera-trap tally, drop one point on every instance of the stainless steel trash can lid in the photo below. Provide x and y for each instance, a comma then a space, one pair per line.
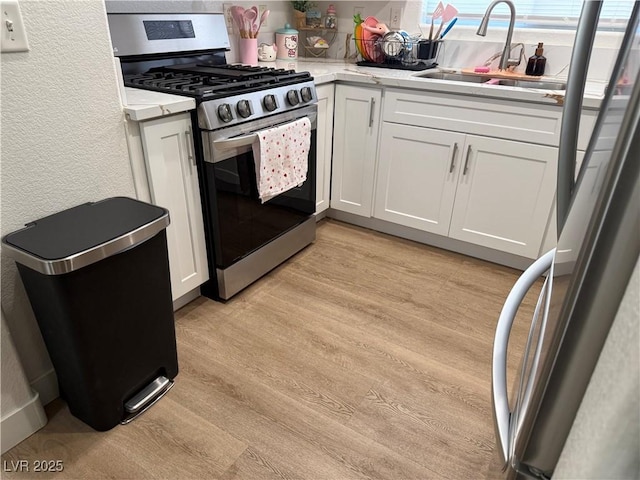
82, 235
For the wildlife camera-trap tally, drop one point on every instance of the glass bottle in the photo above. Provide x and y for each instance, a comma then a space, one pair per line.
536, 63
331, 21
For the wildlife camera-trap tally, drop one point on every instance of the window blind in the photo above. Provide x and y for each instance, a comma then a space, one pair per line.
535, 13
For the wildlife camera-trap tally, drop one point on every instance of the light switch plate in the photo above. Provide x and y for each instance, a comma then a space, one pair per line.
395, 18
228, 19
262, 8
14, 35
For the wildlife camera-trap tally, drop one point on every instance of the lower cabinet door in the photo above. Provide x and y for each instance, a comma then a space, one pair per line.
505, 195
417, 176
355, 143
173, 181
325, 138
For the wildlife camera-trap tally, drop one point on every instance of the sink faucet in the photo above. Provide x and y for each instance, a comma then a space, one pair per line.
505, 61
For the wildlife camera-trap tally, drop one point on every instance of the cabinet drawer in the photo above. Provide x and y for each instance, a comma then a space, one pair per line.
481, 116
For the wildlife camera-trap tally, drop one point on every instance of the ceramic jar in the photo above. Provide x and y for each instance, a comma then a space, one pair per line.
287, 43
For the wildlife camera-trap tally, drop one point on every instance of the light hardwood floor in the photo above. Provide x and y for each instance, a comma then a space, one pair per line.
364, 356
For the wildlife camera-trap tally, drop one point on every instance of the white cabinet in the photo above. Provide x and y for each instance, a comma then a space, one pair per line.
417, 176
355, 139
167, 145
324, 136
486, 191
505, 194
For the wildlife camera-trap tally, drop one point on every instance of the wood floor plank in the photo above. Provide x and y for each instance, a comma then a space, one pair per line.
249, 343
362, 357
355, 350
427, 333
296, 439
460, 446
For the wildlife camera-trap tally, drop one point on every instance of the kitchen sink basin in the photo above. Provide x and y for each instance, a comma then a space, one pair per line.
461, 77
456, 77
539, 84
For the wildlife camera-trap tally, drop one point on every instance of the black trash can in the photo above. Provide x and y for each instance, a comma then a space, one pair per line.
97, 277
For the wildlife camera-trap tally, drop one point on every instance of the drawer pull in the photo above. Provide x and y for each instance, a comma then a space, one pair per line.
453, 157
466, 161
373, 104
189, 139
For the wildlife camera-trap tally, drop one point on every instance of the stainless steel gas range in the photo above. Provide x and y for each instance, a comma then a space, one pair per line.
184, 54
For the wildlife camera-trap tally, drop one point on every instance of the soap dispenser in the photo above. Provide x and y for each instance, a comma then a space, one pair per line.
536, 63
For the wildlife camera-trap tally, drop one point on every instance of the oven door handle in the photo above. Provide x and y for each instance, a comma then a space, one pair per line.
235, 142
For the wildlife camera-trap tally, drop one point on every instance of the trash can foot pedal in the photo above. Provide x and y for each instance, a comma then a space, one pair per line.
147, 397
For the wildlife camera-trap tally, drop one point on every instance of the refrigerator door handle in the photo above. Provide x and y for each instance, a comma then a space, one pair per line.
580, 56
499, 395
540, 316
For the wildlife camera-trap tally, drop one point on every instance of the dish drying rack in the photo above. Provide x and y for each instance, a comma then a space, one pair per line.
413, 53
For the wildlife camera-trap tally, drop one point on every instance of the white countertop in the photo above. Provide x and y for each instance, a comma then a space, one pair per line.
145, 104
328, 71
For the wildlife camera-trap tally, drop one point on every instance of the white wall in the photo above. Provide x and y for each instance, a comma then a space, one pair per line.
463, 48
63, 144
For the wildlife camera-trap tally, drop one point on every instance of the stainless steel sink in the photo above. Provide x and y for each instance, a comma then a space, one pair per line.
461, 77
456, 77
540, 84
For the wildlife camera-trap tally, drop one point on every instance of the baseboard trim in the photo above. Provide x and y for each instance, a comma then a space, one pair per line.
320, 215
47, 386
180, 302
22, 422
446, 243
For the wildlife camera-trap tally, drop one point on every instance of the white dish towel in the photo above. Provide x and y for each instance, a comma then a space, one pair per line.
281, 156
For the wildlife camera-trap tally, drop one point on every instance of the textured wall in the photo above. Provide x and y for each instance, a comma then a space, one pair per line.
63, 138
161, 6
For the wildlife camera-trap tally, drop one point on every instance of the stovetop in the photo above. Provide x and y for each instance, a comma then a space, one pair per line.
208, 82
230, 94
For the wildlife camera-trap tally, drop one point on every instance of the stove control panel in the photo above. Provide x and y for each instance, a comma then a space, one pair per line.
243, 107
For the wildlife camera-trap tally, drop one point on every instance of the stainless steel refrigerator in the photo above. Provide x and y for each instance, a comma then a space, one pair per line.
585, 276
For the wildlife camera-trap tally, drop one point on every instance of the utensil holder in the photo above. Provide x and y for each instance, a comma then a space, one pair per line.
248, 49
428, 49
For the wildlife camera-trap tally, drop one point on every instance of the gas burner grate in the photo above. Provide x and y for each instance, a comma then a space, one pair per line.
206, 82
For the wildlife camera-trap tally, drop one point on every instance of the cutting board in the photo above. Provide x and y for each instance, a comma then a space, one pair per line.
502, 74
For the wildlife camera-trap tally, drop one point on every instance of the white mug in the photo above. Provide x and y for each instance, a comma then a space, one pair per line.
267, 53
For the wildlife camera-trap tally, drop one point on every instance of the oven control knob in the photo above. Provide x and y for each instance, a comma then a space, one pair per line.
244, 108
292, 98
306, 94
224, 112
269, 102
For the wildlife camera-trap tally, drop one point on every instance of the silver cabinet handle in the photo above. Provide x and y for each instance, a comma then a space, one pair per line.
453, 157
189, 139
466, 161
499, 395
371, 108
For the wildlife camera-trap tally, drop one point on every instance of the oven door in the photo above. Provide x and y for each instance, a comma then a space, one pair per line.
239, 223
